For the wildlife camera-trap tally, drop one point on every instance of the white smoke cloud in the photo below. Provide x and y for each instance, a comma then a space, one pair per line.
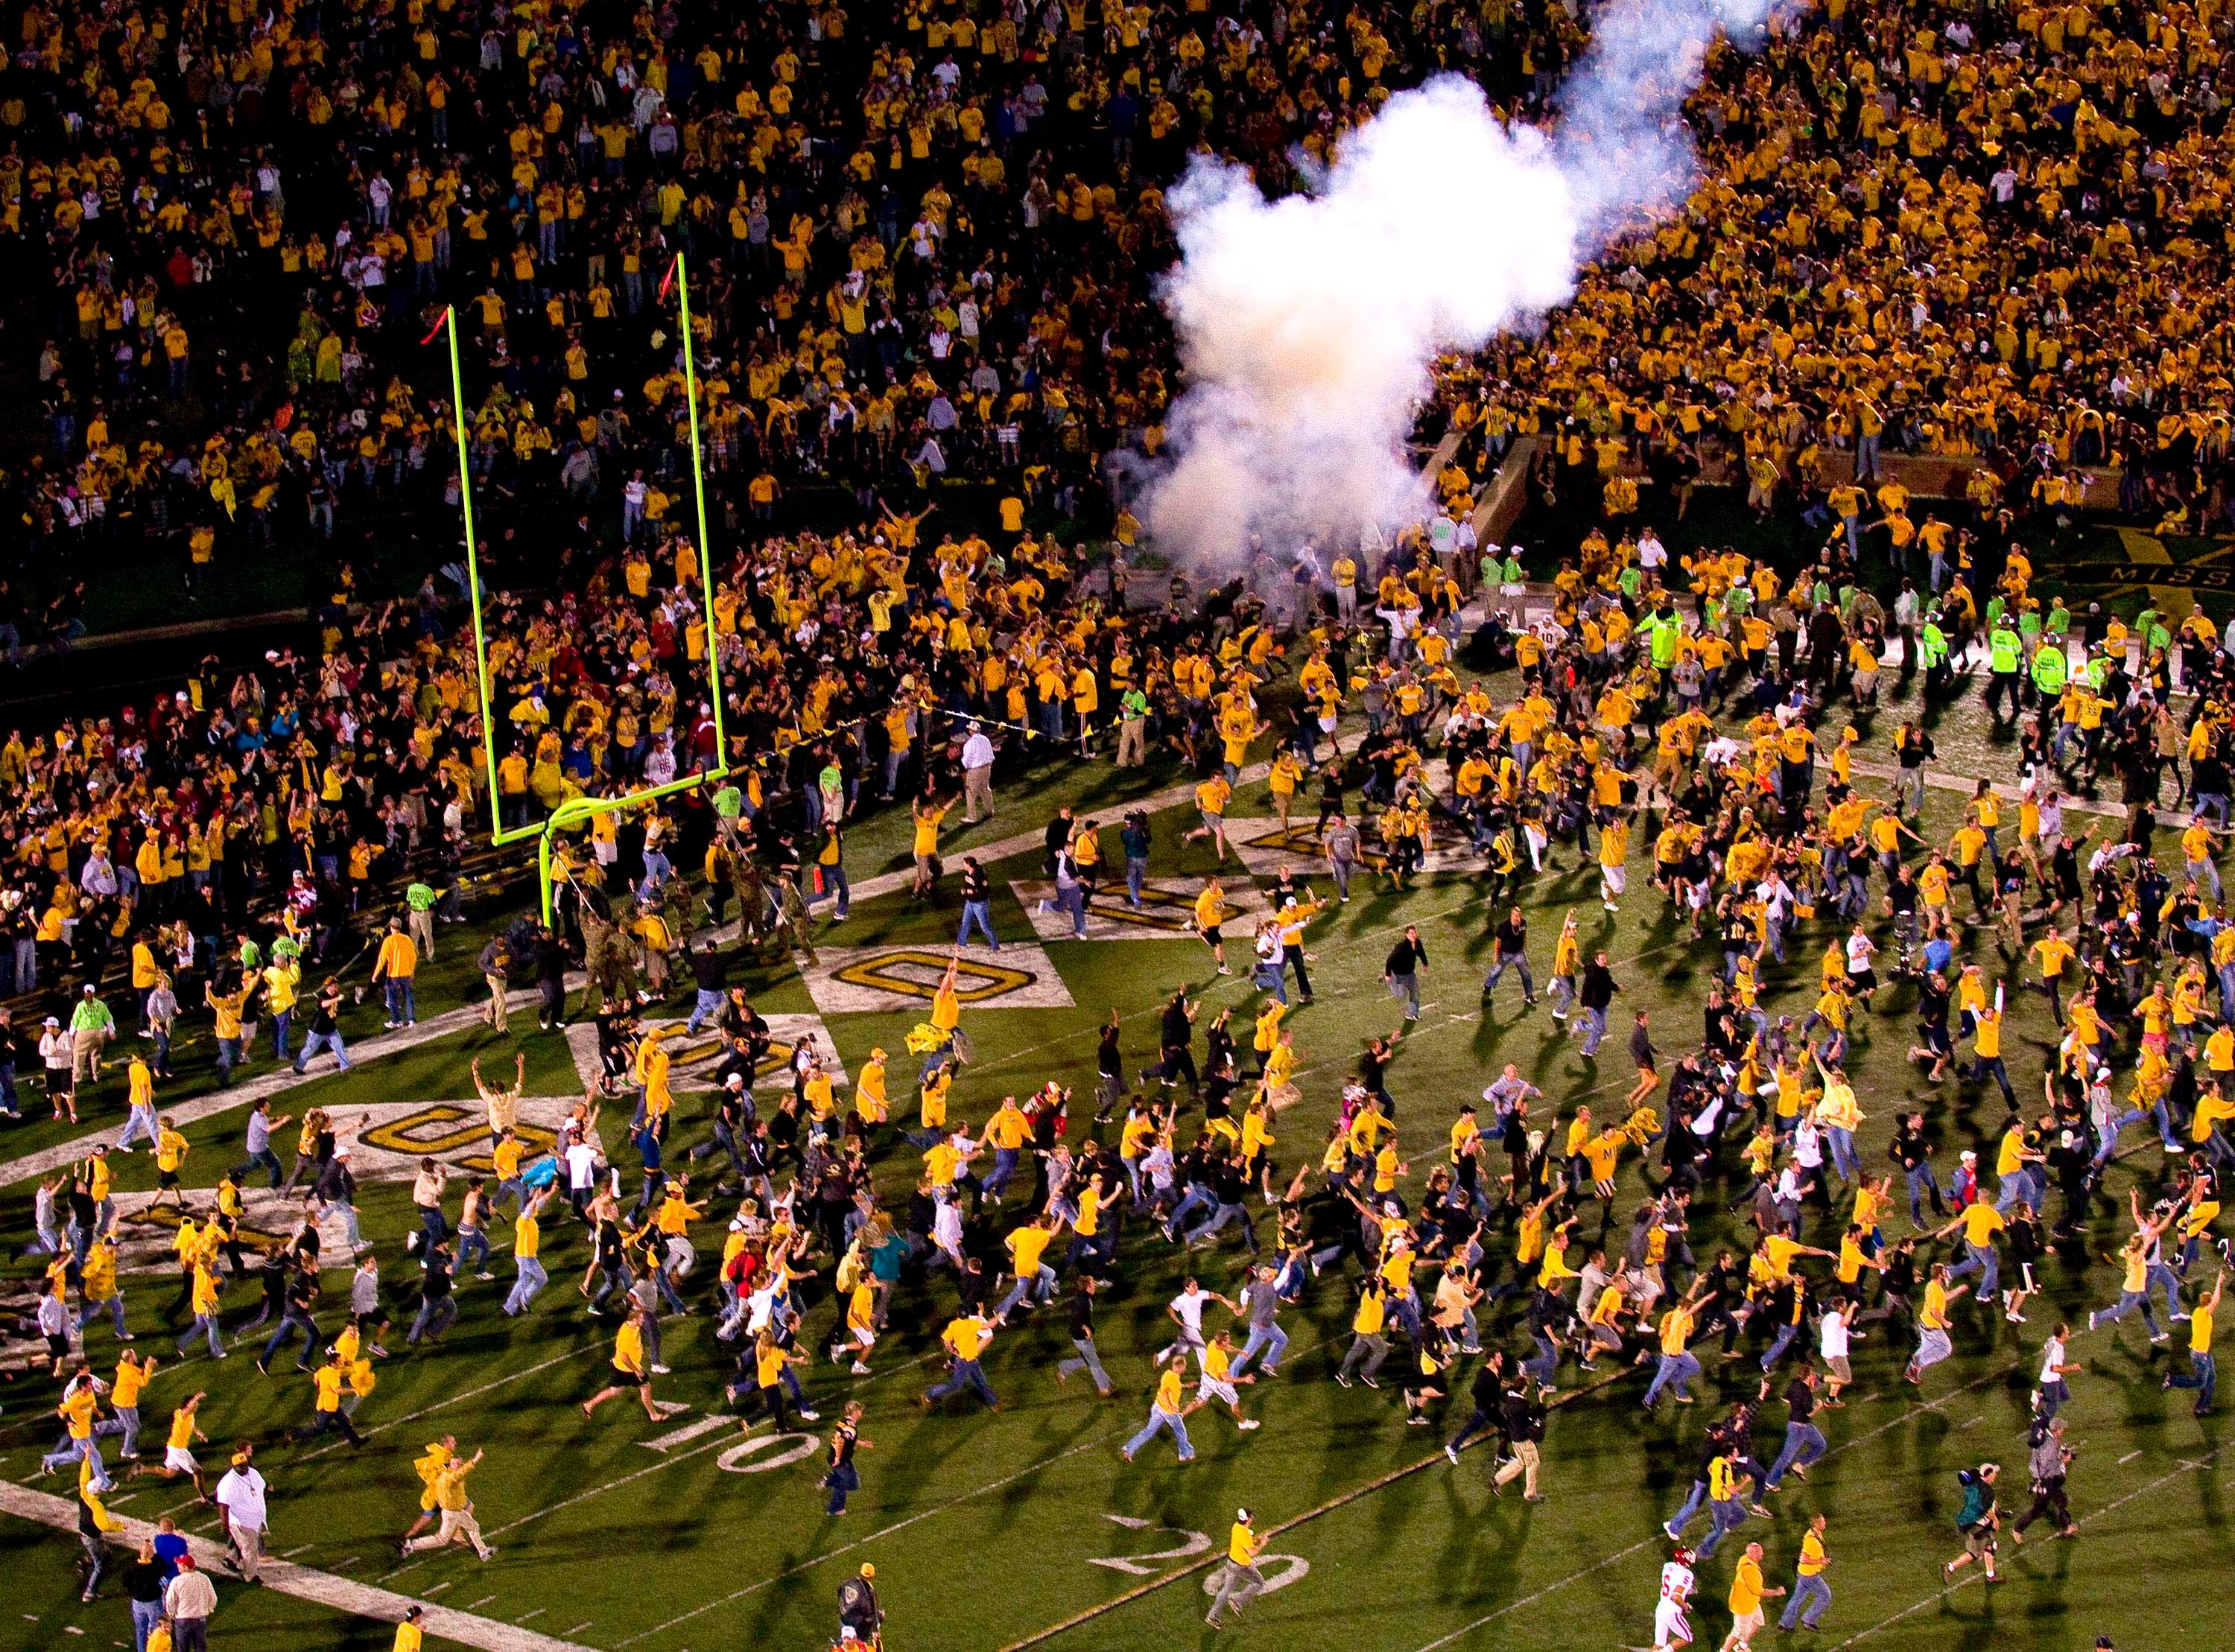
1307, 326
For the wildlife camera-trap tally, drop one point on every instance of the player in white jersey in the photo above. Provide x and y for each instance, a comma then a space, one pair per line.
1670, 1627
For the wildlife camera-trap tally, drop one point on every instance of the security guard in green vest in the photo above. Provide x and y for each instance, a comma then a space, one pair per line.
2005, 651
2050, 667
1932, 650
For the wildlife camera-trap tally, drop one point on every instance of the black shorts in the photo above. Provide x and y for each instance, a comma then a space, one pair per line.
59, 1347
167, 1178
60, 1081
1866, 981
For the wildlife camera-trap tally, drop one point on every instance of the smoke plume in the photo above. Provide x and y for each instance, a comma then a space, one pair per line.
1307, 324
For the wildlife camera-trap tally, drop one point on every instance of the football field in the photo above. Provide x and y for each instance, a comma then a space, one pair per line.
1023, 1527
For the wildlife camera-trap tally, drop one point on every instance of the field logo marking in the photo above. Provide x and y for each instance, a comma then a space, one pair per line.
448, 1127
916, 974
750, 1456
1194, 1543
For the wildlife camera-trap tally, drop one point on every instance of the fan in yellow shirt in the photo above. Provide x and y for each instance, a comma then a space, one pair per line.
632, 1370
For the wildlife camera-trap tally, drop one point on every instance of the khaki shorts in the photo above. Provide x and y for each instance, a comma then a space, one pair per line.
1745, 1626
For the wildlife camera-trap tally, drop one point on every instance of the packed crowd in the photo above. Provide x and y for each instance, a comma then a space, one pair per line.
920, 247
1507, 1233
924, 240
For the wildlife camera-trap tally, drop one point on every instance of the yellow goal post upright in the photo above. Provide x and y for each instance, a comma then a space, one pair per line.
576, 811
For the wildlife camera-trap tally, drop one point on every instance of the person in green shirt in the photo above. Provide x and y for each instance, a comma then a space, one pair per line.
419, 900
1932, 650
2004, 654
1132, 727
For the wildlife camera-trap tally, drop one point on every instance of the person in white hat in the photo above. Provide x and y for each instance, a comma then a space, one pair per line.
55, 1053
1238, 1581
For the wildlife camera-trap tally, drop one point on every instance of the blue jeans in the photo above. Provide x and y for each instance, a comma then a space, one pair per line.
1158, 1419
967, 1374
1045, 1279
281, 1021
1724, 1518
1136, 872
2128, 1301
146, 1615
707, 1003
1070, 899
1263, 1337
264, 1157
1676, 1371
1089, 1359
403, 1003
1984, 1260
997, 1181
1842, 1143
1196, 1198
1810, 1594
2203, 1376
981, 914
1786, 1334
840, 1481
290, 1322
434, 1317
139, 1122
1268, 979
313, 1042
1804, 1444
349, 1221
1497, 970
1594, 1029
114, 1306
472, 1247
1692, 1500
228, 1057
532, 1279
205, 1324
71, 1451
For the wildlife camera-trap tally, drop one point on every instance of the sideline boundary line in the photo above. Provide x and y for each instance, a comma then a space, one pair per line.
305, 1583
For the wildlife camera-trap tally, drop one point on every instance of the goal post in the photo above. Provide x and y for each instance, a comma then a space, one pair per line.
573, 812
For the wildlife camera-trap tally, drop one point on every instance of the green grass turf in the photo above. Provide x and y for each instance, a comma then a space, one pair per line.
982, 1527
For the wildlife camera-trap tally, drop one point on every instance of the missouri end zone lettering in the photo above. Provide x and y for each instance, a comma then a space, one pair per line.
916, 974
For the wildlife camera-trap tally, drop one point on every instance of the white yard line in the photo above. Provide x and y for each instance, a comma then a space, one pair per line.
690, 1431
461, 1397
358, 1600
1171, 797
1100, 1437
183, 1114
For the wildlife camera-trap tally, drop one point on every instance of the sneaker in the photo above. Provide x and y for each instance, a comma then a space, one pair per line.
659, 1370
1247, 1423
805, 1415
1452, 1451
484, 1273
1343, 1379
1368, 1381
